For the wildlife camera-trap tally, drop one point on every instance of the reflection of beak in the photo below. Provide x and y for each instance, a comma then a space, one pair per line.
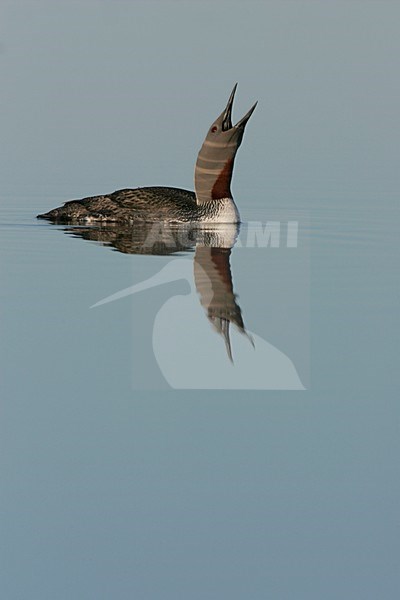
225, 332
227, 114
164, 276
222, 326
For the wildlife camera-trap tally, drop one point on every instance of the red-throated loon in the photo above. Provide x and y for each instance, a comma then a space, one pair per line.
212, 201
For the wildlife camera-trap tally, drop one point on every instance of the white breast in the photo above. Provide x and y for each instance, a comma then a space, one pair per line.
222, 211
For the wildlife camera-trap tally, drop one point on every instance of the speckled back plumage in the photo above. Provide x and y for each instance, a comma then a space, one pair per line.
129, 205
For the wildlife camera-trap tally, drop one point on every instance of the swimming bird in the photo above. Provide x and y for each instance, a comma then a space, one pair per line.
212, 201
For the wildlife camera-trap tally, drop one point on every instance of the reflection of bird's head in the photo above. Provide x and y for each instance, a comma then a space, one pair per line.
213, 282
222, 322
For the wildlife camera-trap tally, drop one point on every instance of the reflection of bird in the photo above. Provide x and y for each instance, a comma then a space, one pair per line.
213, 280
188, 354
144, 238
212, 201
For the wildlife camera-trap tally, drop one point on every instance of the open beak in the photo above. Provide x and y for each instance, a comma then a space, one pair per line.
227, 117
243, 121
227, 114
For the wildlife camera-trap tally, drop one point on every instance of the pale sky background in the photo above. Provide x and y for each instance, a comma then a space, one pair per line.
103, 95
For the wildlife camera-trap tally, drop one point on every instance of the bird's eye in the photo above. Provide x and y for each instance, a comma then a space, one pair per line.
214, 128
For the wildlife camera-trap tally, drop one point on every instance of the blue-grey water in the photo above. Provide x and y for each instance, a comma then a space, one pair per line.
116, 484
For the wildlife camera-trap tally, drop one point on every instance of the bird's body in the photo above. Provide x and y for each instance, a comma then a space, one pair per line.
146, 204
211, 202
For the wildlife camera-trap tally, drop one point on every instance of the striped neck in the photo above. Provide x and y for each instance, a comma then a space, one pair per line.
214, 166
213, 172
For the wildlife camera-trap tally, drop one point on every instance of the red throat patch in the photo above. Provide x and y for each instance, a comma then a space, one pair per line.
222, 187
220, 258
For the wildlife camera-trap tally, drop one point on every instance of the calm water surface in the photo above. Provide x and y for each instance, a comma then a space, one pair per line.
117, 485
